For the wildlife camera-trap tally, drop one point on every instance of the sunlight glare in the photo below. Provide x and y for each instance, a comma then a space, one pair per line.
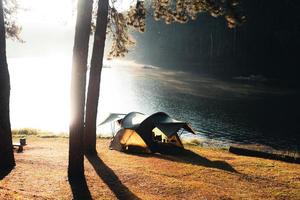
59, 11
40, 93
122, 5
48, 12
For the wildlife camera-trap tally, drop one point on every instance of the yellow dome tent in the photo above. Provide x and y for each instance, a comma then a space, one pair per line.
154, 133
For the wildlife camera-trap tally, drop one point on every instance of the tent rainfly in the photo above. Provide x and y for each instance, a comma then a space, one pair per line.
155, 133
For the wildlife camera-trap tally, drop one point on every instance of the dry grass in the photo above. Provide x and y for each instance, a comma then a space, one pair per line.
41, 173
25, 132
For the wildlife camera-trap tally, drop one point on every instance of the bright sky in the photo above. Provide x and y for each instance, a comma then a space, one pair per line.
48, 27
54, 12
58, 11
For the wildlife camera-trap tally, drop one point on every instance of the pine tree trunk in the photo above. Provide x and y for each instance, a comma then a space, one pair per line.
78, 88
95, 77
7, 160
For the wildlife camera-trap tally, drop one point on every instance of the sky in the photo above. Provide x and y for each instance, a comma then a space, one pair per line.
47, 29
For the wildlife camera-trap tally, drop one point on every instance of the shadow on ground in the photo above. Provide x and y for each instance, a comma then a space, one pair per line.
189, 157
80, 189
4, 173
110, 179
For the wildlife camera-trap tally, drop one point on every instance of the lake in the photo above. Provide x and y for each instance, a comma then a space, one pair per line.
220, 111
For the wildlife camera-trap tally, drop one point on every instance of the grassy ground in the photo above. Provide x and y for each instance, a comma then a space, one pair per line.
202, 173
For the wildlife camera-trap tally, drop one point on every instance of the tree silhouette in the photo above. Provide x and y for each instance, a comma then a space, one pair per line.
95, 76
8, 28
78, 84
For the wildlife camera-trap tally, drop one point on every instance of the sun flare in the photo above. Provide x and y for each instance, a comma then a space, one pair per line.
48, 12
58, 11
40, 93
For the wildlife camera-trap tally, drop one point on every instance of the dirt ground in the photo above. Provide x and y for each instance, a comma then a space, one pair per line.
201, 173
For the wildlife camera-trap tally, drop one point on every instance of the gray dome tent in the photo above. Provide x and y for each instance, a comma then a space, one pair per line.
154, 133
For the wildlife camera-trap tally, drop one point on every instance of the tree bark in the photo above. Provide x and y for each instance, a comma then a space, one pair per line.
78, 88
7, 160
95, 78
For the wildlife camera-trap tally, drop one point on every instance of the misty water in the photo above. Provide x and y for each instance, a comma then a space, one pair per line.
221, 112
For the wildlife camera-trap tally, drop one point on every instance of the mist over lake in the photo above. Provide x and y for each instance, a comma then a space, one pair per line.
221, 111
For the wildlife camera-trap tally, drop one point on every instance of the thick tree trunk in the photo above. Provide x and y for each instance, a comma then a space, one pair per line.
7, 160
78, 88
95, 77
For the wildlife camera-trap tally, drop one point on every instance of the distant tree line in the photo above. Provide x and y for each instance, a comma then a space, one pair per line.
267, 44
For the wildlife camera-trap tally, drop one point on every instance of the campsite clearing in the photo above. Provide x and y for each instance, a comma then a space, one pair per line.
41, 173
